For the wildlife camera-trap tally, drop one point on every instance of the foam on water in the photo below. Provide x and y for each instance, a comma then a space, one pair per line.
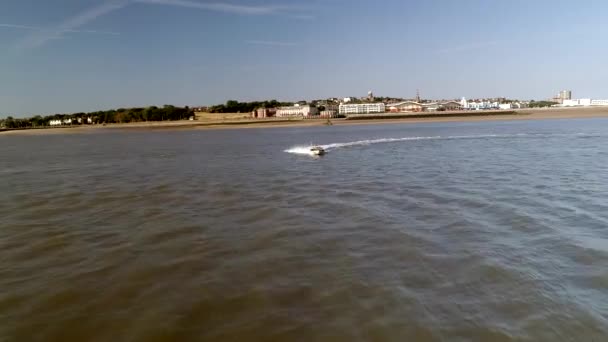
299, 150
328, 147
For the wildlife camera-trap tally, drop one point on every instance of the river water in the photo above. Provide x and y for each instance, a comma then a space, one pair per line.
488, 231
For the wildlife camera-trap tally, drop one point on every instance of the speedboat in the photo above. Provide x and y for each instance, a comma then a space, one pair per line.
317, 150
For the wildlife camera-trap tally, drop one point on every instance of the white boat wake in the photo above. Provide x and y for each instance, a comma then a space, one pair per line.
299, 150
329, 147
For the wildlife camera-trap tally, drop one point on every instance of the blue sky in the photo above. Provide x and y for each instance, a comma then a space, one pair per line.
85, 55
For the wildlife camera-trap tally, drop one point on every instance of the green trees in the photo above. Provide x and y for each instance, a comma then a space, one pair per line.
139, 114
539, 104
37, 121
233, 106
121, 115
13, 123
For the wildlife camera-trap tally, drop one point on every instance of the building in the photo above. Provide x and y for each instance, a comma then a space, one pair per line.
577, 103
431, 107
59, 122
584, 103
599, 102
362, 108
261, 113
297, 110
328, 106
464, 103
565, 95
406, 107
562, 96
482, 105
450, 106
413, 106
513, 105
329, 114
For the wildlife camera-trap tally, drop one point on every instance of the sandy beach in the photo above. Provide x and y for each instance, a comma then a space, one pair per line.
523, 114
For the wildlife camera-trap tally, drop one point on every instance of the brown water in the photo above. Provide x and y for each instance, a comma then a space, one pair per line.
435, 232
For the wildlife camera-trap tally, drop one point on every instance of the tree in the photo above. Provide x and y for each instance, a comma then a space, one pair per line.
9, 122
37, 121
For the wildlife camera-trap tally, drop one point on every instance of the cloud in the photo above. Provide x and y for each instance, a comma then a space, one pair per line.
270, 43
41, 37
37, 28
218, 6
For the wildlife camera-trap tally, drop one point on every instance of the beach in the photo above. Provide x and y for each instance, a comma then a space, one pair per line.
207, 123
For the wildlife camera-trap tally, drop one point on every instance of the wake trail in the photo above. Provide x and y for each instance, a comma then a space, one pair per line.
328, 147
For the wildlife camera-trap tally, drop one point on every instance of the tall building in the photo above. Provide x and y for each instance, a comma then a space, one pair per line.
562, 96
565, 95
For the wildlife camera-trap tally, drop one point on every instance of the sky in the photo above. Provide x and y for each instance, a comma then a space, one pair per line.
65, 56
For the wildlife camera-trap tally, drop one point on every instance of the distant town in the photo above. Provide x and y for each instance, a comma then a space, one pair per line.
368, 106
341, 107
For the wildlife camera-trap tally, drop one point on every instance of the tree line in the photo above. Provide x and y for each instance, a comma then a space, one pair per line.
120, 115
233, 106
540, 104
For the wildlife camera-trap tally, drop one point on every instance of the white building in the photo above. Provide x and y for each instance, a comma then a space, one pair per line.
297, 110
577, 103
464, 103
481, 105
57, 122
599, 102
362, 108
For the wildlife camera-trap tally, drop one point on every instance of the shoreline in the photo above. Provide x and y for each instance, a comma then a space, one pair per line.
520, 114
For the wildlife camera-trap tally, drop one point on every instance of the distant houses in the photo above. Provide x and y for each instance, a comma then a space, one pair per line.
500, 104
343, 107
415, 107
69, 121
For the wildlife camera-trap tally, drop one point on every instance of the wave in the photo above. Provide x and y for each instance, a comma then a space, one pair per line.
306, 149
